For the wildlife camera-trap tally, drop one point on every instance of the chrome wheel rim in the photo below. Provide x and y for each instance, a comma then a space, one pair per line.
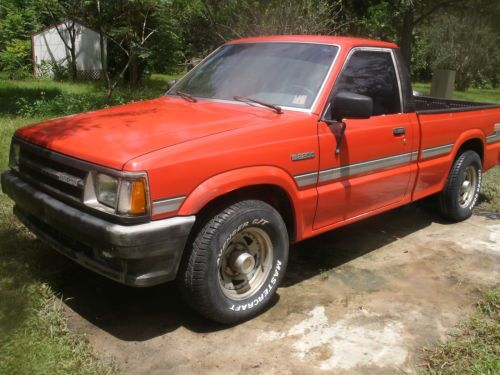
468, 187
245, 263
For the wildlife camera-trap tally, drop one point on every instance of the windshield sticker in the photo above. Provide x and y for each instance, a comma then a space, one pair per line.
299, 99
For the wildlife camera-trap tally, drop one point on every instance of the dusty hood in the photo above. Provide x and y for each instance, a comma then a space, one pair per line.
113, 136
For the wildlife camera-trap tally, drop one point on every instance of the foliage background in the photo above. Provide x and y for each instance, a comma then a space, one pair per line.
461, 35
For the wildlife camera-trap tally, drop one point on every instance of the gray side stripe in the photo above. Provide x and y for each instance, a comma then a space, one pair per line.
495, 137
367, 166
167, 205
435, 151
306, 179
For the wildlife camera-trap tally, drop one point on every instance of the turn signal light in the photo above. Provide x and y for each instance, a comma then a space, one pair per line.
138, 201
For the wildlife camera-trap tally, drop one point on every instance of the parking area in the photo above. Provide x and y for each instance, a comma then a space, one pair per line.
362, 299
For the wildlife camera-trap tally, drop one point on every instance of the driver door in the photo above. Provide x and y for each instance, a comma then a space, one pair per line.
372, 168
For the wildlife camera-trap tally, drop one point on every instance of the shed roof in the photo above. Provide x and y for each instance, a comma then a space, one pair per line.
62, 23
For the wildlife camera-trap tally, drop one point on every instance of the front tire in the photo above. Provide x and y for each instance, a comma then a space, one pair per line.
236, 262
461, 191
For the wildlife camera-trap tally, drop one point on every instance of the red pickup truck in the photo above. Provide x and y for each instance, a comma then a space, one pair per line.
268, 141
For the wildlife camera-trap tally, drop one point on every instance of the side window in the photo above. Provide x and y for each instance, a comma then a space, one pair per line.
372, 73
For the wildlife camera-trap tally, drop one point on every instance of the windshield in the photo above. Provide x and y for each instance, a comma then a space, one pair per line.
284, 74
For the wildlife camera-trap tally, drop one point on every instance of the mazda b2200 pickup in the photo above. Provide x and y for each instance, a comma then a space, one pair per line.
266, 142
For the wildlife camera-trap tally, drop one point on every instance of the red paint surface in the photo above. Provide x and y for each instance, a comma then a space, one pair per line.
204, 150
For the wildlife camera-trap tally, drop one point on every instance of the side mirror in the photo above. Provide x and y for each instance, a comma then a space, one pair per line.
171, 83
350, 105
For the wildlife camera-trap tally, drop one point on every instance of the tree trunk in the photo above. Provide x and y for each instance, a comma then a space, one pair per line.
406, 35
71, 30
463, 81
73, 68
133, 70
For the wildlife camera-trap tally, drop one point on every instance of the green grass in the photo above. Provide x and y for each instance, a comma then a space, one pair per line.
33, 97
34, 337
478, 95
474, 347
489, 198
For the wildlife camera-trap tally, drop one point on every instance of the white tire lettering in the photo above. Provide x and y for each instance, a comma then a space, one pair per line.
476, 195
264, 293
260, 222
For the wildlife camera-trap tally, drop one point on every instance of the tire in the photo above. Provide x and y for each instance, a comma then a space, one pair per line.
216, 276
461, 191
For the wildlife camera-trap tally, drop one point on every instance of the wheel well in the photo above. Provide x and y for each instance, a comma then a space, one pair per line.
271, 194
474, 145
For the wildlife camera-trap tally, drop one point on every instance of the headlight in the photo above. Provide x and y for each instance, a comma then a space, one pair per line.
14, 156
123, 195
106, 189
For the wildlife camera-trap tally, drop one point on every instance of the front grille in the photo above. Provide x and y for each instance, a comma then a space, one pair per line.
64, 178
43, 170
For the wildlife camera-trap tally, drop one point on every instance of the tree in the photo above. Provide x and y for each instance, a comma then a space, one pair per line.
18, 19
17, 23
395, 19
130, 31
291, 17
470, 48
413, 13
208, 23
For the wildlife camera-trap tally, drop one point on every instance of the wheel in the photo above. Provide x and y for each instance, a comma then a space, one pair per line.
461, 191
236, 262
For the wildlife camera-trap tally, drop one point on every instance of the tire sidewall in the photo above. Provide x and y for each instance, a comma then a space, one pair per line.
470, 158
269, 221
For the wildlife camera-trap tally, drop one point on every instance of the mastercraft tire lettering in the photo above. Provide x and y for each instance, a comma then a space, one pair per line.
236, 262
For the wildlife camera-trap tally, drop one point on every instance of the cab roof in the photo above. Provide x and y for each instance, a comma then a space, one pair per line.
347, 42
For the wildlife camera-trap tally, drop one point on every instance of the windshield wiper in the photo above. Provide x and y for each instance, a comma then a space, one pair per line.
186, 96
247, 100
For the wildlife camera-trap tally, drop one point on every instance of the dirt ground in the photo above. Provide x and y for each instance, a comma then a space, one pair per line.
362, 299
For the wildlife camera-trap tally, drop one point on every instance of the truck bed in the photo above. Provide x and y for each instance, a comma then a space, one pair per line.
427, 104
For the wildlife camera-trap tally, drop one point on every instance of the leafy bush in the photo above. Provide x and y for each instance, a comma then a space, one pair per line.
18, 19
47, 105
15, 59
62, 105
50, 69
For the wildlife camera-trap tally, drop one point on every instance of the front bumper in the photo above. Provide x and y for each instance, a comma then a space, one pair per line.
137, 255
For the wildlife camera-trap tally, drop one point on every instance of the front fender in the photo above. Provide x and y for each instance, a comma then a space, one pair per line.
303, 202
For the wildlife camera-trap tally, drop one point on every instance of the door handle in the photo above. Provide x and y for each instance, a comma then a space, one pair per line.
399, 131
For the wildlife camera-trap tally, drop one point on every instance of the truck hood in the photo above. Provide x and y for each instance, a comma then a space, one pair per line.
113, 136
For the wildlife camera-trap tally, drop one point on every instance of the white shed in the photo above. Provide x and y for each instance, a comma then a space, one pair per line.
48, 49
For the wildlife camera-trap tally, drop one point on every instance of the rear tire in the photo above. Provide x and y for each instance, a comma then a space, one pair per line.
461, 191
236, 262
